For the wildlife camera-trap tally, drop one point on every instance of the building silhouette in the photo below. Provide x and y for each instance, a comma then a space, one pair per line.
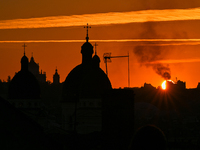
56, 77
86, 103
82, 93
33, 67
24, 84
18, 131
24, 92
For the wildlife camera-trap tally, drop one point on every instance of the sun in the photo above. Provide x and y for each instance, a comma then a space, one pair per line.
164, 84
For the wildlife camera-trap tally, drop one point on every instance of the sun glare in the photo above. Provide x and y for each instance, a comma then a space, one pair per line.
163, 85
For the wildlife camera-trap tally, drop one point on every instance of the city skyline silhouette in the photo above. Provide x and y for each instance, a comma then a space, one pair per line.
176, 41
61, 88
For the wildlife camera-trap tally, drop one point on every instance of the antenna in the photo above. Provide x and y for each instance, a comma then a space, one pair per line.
107, 58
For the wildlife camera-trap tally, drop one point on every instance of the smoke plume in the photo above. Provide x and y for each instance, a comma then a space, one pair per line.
147, 54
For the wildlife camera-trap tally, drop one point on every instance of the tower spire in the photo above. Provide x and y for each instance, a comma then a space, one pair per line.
24, 47
87, 38
95, 45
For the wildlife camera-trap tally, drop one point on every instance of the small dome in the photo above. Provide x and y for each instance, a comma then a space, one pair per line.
87, 48
24, 63
96, 59
24, 60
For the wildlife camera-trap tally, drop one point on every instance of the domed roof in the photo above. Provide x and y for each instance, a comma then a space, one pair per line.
72, 83
87, 48
24, 59
94, 84
85, 82
96, 59
24, 85
24, 63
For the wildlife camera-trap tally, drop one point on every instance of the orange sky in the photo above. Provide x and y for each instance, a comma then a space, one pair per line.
181, 56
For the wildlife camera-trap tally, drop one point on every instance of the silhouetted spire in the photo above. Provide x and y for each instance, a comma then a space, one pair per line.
96, 59
56, 77
32, 59
24, 47
87, 49
87, 37
24, 61
95, 45
56, 70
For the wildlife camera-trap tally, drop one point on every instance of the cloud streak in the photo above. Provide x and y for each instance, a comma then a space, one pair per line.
113, 40
150, 42
103, 18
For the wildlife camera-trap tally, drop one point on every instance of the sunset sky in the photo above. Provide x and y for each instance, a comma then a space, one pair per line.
160, 36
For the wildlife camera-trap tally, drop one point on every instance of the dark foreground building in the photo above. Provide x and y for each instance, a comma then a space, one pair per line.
20, 132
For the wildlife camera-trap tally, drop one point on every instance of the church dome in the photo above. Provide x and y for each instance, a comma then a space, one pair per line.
24, 63
24, 85
24, 59
96, 59
94, 84
87, 48
85, 82
72, 82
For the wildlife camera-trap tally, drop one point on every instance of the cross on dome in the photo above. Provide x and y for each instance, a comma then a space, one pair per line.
24, 47
87, 38
95, 45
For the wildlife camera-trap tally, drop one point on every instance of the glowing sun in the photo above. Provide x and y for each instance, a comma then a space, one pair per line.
164, 84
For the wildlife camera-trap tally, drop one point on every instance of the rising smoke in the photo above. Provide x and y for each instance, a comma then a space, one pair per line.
147, 54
